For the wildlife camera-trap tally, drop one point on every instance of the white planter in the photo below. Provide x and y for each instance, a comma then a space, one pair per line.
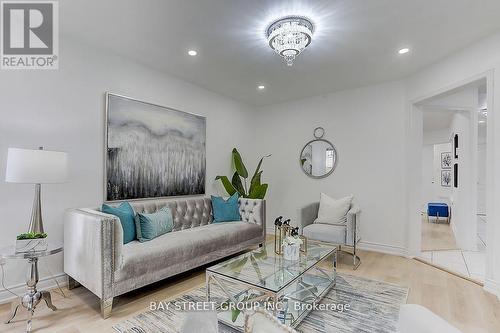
291, 252
31, 245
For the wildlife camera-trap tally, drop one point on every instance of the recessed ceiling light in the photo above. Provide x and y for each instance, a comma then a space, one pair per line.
261, 87
404, 51
192, 53
482, 121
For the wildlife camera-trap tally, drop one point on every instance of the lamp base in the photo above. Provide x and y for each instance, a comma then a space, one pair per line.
36, 223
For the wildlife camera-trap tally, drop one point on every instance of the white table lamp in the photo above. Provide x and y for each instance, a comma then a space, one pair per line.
29, 166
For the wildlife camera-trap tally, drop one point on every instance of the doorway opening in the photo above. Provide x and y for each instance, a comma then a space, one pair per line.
453, 180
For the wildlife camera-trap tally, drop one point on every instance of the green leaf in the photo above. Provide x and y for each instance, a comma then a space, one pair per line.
238, 164
259, 192
255, 182
227, 184
236, 181
234, 315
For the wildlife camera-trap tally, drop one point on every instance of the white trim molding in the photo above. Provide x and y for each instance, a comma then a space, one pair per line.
383, 248
493, 287
46, 283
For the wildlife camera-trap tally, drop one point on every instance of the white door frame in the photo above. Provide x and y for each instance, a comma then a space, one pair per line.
413, 176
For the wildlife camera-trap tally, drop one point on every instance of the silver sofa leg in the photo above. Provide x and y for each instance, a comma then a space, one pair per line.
106, 306
72, 283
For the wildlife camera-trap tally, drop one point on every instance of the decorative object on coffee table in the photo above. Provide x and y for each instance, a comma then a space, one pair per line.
33, 296
291, 245
29, 166
281, 230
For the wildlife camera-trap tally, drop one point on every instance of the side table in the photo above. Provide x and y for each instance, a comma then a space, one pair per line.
33, 296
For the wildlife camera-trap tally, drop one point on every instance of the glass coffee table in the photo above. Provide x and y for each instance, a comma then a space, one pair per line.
288, 289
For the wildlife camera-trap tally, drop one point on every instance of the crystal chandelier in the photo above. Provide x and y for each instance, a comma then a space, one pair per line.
289, 36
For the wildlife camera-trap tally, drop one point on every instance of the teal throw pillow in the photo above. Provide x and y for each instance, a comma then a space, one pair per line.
126, 214
226, 210
152, 225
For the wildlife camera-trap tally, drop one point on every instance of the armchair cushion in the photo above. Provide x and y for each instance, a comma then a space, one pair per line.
335, 234
332, 211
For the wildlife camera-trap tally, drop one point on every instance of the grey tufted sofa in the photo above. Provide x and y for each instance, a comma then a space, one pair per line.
95, 256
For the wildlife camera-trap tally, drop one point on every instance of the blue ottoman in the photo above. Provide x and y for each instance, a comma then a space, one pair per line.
438, 210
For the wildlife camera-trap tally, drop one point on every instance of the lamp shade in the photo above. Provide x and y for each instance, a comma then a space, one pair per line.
36, 166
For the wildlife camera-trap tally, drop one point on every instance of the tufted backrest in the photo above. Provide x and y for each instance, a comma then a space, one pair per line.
195, 212
186, 213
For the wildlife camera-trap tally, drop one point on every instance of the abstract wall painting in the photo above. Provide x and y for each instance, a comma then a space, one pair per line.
446, 160
152, 151
446, 178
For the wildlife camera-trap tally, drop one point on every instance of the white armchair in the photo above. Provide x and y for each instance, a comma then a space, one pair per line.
345, 233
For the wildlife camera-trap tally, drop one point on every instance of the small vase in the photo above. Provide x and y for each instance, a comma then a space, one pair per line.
291, 252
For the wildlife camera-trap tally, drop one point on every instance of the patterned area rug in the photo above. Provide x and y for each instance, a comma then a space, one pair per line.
374, 307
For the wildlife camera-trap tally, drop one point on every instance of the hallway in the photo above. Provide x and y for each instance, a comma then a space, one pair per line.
439, 248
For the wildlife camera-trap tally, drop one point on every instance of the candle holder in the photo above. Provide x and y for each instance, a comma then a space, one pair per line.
282, 229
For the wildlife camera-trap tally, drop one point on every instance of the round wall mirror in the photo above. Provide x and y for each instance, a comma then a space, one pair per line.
319, 157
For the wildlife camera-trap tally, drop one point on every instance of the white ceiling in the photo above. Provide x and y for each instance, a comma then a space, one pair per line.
355, 43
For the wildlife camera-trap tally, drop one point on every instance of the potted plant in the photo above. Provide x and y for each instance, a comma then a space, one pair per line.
31, 241
257, 190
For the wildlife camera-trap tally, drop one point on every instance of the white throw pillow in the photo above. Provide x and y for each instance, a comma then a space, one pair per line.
333, 211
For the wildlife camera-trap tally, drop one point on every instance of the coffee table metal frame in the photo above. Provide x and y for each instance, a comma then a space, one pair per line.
220, 279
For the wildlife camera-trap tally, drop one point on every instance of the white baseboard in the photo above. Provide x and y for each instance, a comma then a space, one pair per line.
383, 248
45, 283
493, 287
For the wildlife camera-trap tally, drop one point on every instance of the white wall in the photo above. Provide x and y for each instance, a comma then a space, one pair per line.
481, 178
463, 198
428, 188
365, 125
64, 110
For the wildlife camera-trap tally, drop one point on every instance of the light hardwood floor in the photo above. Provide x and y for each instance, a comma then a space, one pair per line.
463, 303
437, 236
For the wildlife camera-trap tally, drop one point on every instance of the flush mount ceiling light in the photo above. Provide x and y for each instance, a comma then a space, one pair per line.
289, 36
261, 87
404, 51
192, 53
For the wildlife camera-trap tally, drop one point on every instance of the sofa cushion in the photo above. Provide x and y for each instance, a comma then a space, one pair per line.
326, 233
152, 225
226, 210
182, 246
126, 214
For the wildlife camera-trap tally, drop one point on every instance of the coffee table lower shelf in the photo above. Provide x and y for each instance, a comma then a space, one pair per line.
290, 304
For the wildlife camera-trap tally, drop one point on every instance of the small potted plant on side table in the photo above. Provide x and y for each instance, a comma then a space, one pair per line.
31, 241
